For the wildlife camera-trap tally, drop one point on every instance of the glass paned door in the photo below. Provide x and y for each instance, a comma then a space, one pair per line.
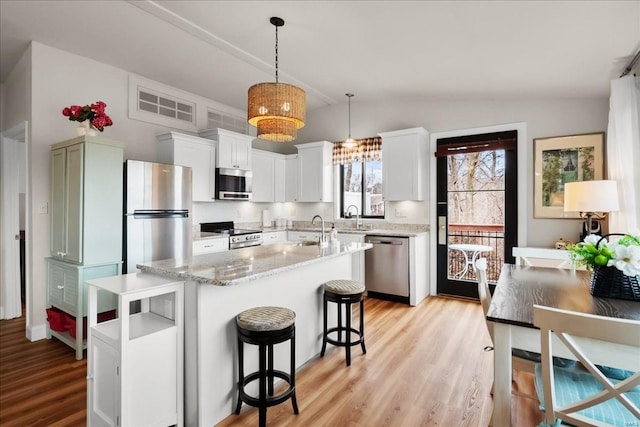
476, 204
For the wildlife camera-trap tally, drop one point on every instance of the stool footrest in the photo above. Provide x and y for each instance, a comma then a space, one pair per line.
340, 342
270, 400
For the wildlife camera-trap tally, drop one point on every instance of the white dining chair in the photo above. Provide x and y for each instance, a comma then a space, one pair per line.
543, 257
584, 395
521, 360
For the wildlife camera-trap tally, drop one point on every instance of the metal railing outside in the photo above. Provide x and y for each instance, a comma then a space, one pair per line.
488, 235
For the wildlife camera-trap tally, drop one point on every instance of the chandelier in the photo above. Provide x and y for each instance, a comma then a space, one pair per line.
277, 109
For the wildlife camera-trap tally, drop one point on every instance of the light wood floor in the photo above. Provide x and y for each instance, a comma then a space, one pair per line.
425, 366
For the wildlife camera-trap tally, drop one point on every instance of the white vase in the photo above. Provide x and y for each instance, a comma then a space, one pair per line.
85, 128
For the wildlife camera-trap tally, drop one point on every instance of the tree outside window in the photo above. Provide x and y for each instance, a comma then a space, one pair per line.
361, 186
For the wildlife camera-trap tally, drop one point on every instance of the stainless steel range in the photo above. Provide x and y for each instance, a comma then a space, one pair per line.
238, 237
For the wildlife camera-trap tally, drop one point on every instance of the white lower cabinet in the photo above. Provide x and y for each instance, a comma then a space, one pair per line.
209, 246
135, 362
271, 237
358, 257
299, 236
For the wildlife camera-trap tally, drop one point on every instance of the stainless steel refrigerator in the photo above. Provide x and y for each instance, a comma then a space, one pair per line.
157, 221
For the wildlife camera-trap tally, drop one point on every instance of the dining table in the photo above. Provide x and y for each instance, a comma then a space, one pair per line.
518, 289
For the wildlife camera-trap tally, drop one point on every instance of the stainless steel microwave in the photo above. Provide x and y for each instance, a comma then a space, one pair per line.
233, 184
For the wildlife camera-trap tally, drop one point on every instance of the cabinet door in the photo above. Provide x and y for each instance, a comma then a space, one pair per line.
104, 385
291, 179
279, 180
357, 258
269, 238
74, 201
209, 246
310, 173
201, 159
63, 287
263, 177
298, 236
243, 153
58, 202
226, 153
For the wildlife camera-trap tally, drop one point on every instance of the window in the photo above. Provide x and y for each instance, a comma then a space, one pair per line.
361, 186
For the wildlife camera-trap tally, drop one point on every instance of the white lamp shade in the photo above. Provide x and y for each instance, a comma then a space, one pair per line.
591, 196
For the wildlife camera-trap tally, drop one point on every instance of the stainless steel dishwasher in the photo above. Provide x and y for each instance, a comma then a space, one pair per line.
387, 268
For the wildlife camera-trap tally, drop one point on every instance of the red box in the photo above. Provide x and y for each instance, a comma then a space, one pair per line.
70, 322
56, 319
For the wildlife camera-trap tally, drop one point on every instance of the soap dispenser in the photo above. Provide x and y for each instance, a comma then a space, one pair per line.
333, 234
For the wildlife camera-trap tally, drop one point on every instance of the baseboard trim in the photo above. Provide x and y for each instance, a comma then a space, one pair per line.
37, 332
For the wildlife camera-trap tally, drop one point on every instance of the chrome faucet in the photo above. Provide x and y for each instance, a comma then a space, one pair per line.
323, 239
358, 223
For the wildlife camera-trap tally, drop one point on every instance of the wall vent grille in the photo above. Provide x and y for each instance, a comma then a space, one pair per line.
218, 119
166, 106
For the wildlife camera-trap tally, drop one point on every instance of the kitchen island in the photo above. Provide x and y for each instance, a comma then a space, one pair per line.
221, 285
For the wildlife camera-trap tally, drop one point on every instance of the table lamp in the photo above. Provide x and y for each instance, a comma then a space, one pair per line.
591, 199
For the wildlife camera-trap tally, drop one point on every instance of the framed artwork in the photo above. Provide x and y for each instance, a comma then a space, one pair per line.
559, 160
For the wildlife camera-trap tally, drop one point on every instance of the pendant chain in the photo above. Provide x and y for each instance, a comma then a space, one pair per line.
276, 54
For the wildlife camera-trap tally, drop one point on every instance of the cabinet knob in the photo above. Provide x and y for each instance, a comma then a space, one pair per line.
60, 287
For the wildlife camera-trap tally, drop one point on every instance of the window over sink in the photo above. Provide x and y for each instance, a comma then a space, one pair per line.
361, 186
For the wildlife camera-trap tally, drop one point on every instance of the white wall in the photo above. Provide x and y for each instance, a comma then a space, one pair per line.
544, 118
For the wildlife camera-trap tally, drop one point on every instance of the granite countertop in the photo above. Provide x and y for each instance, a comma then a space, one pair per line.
237, 266
372, 232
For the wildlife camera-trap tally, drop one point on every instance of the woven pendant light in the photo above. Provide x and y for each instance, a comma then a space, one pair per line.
276, 109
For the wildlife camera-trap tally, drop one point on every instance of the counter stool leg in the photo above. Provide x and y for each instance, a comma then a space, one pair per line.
270, 369
324, 335
240, 373
292, 383
347, 337
339, 321
364, 350
262, 397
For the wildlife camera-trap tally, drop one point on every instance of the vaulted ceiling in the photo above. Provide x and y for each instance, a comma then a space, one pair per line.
375, 49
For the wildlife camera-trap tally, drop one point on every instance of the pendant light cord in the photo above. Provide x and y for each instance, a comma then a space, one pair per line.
276, 54
349, 117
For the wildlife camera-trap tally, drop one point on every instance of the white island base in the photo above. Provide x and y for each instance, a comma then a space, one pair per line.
210, 333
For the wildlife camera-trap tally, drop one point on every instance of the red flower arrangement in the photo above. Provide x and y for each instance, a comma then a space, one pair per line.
94, 112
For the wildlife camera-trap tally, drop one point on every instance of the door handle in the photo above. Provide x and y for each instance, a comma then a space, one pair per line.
442, 230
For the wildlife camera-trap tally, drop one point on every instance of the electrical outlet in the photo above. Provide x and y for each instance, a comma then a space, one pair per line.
401, 213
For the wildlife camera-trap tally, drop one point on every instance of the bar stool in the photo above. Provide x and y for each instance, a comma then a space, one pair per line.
344, 292
264, 327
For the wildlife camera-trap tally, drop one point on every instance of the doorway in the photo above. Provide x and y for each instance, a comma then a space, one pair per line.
477, 207
13, 188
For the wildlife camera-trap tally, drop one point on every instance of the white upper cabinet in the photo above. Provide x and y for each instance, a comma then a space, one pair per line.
197, 153
279, 179
263, 177
404, 164
315, 172
291, 178
234, 149
268, 176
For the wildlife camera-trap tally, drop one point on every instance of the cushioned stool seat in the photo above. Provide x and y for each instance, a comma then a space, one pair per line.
264, 327
343, 292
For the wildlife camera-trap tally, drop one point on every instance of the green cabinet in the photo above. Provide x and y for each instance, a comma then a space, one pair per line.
86, 200
86, 226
